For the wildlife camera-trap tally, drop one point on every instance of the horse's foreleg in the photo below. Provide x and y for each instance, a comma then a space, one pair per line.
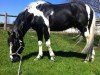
48, 43
40, 54
40, 39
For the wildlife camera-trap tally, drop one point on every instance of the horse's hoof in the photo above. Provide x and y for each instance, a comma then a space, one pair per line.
85, 61
53, 59
36, 59
91, 59
16, 58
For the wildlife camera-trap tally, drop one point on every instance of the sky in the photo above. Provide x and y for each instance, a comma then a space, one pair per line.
14, 7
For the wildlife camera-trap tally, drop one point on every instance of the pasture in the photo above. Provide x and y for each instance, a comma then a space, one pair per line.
69, 60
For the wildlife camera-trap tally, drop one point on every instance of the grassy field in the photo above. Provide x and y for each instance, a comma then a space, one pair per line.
69, 60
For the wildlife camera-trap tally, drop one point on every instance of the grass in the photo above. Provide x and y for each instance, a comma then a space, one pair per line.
69, 61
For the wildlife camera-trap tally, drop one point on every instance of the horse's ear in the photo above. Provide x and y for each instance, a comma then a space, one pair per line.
8, 32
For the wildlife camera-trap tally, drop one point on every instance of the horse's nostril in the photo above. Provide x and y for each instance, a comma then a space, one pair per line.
15, 58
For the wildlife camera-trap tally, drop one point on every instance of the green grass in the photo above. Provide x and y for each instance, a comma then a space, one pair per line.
69, 61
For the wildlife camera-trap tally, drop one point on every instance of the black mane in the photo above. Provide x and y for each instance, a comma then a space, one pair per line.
22, 22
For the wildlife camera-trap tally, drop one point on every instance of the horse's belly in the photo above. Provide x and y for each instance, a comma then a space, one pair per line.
58, 27
59, 23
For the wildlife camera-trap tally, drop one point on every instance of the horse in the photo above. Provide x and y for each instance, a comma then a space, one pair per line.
44, 17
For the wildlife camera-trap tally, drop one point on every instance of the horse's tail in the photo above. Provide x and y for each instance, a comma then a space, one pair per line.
90, 30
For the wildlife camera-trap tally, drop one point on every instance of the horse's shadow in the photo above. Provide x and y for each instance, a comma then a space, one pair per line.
57, 53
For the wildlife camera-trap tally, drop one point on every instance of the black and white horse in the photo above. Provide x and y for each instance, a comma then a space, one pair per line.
45, 17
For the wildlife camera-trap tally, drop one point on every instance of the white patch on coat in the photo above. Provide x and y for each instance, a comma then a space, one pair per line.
93, 54
87, 33
48, 42
39, 43
51, 51
20, 41
52, 12
32, 9
88, 11
11, 50
49, 30
40, 54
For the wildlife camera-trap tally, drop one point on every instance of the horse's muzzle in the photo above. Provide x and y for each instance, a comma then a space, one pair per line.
15, 58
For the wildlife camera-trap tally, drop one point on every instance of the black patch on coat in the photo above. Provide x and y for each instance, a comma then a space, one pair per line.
91, 18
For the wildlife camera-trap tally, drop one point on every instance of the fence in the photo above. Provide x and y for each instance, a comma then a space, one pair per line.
5, 19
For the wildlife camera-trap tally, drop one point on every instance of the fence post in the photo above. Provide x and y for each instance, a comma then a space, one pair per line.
5, 23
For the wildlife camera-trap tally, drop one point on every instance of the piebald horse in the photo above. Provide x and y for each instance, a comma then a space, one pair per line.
44, 17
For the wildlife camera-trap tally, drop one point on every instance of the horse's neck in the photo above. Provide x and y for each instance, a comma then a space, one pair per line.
18, 32
22, 31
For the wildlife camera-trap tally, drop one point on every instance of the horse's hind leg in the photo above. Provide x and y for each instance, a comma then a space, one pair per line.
48, 43
40, 40
90, 54
89, 45
89, 34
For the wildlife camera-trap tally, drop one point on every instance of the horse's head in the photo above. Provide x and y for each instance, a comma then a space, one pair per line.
15, 46
15, 39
